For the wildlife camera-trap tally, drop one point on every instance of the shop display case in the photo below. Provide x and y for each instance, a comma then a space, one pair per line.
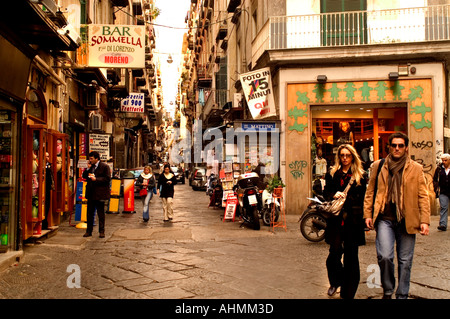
7, 178
34, 180
59, 159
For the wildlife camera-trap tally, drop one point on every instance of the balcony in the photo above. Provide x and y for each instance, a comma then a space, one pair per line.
353, 29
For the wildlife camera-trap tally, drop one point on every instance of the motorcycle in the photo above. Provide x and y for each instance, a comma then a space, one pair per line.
313, 221
269, 204
249, 199
214, 191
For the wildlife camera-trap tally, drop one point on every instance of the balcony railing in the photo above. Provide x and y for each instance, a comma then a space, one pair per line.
431, 23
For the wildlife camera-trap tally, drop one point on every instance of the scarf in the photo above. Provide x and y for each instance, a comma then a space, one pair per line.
146, 176
395, 183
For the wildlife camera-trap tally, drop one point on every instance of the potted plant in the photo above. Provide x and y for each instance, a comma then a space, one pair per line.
275, 182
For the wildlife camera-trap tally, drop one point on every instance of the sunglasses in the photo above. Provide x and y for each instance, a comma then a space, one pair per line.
345, 155
393, 145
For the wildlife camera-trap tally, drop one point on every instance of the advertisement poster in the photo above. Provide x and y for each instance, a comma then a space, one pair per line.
257, 86
116, 46
100, 143
133, 103
230, 208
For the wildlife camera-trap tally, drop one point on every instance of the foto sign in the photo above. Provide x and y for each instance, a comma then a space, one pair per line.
116, 46
257, 86
133, 103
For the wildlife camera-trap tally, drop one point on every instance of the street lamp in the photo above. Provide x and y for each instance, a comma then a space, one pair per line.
169, 59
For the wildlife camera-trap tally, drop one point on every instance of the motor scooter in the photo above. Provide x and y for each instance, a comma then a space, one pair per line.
249, 198
269, 204
215, 192
313, 221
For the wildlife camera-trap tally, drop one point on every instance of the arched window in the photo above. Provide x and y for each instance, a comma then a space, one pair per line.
36, 106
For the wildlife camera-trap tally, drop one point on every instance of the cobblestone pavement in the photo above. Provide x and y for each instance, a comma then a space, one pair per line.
200, 256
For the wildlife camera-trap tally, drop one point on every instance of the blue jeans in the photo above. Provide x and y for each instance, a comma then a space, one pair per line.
146, 202
389, 232
443, 202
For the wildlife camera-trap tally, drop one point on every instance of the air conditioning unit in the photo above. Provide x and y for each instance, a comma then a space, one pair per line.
96, 122
92, 99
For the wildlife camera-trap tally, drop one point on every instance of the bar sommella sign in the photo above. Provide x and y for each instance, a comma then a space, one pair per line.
116, 46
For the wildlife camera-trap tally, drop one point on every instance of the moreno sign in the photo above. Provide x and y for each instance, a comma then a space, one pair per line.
116, 46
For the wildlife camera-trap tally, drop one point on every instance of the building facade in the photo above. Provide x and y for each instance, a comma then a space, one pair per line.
56, 106
347, 71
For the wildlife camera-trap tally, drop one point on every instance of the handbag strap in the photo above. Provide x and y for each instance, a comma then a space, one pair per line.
349, 185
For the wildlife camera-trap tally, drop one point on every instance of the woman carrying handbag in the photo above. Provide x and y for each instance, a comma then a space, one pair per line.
345, 231
147, 182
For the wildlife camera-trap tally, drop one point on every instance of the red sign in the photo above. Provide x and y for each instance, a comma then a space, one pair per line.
230, 208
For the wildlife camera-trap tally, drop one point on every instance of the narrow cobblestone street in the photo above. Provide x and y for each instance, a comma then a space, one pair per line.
199, 256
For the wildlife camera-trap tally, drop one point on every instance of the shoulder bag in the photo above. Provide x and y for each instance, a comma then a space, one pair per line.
334, 206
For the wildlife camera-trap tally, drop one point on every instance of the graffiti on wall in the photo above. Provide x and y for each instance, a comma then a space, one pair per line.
372, 91
296, 168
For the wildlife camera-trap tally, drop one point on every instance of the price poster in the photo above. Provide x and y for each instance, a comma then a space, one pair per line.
230, 208
100, 143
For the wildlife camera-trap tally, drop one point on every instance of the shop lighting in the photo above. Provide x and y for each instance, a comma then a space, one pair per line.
322, 78
393, 75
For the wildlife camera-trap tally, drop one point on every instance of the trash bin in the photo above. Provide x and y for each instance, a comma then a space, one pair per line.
128, 194
113, 207
81, 205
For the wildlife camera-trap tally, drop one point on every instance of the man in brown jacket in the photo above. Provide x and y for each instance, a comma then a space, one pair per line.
399, 211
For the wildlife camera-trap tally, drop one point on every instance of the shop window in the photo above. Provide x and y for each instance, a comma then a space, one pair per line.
365, 128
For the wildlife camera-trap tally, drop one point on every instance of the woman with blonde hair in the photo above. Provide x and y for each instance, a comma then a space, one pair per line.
345, 232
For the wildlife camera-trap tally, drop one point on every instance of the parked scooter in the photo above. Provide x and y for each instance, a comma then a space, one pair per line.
269, 204
249, 199
214, 191
313, 221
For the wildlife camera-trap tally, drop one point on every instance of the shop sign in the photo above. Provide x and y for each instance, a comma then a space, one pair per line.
116, 46
257, 86
230, 208
100, 143
133, 103
259, 126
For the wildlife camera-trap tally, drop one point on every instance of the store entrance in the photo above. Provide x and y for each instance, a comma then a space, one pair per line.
367, 127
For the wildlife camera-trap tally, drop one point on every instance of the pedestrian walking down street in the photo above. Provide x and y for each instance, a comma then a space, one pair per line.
345, 232
399, 211
441, 185
98, 176
166, 182
147, 183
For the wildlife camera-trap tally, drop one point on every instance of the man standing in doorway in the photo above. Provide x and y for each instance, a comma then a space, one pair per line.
398, 208
98, 176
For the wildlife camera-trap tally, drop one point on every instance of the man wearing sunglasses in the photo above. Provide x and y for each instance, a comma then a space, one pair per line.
398, 208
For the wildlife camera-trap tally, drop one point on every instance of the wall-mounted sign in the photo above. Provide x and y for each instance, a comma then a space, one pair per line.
133, 103
100, 143
116, 46
257, 86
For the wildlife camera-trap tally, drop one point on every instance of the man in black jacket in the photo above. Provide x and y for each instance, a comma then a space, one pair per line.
98, 177
441, 184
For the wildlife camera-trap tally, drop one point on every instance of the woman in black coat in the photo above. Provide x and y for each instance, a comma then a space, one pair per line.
345, 232
166, 182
